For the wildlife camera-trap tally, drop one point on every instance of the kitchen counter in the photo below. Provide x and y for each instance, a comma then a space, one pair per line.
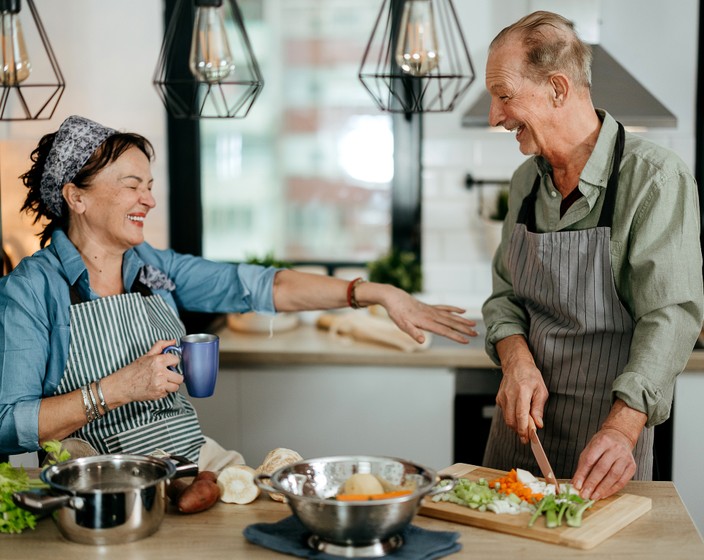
307, 344
666, 531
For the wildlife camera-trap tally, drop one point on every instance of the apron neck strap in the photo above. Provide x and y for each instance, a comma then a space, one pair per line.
607, 210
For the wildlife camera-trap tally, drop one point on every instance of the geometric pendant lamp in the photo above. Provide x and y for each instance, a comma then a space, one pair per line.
207, 68
31, 83
417, 60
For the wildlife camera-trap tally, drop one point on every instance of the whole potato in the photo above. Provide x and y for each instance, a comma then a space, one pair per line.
362, 483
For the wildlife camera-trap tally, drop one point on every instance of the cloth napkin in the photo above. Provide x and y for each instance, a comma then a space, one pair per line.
289, 536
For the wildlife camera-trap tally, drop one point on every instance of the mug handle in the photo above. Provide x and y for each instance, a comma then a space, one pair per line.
176, 349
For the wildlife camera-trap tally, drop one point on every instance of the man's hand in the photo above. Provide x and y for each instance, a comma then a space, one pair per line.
607, 464
522, 393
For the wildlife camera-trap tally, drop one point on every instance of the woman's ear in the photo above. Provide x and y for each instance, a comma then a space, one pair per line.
560, 88
74, 198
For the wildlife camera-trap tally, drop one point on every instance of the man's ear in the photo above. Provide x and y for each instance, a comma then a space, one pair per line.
560, 89
74, 198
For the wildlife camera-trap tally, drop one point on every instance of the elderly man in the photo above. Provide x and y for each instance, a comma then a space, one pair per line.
597, 294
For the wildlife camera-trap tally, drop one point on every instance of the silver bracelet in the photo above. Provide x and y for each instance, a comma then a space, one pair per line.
103, 403
94, 401
87, 407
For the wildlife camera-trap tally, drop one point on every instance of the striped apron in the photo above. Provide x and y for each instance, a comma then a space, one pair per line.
108, 334
580, 336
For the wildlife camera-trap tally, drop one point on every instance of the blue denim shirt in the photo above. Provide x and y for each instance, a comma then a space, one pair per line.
34, 317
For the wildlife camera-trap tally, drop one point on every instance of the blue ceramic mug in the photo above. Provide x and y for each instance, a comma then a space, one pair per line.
200, 360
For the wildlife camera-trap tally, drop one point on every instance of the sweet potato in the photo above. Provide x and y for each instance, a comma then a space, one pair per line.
207, 475
200, 495
175, 488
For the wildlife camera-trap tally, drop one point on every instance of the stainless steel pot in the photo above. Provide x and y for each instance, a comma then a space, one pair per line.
106, 499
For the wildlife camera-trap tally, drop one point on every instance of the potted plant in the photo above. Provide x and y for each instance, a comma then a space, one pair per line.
255, 322
398, 268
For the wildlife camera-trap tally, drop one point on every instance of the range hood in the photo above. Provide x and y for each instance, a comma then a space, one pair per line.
613, 89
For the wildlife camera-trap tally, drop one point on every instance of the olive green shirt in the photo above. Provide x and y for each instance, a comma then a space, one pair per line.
656, 259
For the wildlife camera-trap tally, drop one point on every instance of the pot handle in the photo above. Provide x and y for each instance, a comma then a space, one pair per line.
260, 478
440, 488
40, 503
184, 466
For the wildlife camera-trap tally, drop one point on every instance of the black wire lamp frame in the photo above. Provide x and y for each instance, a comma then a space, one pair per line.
183, 95
394, 90
37, 97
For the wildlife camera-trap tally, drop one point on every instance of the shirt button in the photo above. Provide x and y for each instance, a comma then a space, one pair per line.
553, 194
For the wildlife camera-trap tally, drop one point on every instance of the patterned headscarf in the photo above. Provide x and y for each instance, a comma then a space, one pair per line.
75, 141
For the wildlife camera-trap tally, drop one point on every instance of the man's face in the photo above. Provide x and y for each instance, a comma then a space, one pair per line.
517, 103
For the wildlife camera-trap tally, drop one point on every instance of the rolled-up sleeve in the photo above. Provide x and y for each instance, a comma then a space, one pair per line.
24, 355
661, 280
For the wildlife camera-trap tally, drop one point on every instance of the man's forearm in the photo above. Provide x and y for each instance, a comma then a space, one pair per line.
626, 420
513, 349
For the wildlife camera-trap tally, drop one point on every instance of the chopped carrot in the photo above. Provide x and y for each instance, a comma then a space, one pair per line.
509, 484
367, 497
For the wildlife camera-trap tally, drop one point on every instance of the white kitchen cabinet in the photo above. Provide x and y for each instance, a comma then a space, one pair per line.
321, 410
688, 449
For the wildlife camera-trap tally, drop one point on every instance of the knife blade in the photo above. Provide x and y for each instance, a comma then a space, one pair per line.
542, 459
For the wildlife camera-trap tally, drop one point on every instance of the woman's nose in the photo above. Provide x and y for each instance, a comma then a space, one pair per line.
148, 199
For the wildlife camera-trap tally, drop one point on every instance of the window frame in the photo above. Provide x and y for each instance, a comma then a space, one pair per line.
185, 184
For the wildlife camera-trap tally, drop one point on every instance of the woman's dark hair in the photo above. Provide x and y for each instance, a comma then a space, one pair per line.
107, 153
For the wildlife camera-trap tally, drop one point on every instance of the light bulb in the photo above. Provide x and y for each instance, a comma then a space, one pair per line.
210, 59
16, 66
417, 45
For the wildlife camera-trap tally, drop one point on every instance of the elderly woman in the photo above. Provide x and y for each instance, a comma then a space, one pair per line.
83, 322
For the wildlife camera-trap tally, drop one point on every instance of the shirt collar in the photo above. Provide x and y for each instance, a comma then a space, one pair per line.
595, 175
75, 269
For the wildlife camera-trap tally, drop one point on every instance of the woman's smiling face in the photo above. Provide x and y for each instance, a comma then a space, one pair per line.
117, 202
517, 103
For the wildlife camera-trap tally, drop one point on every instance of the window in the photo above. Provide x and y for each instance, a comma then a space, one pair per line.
312, 174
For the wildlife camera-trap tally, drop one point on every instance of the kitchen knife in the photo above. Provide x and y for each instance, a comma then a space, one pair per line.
542, 459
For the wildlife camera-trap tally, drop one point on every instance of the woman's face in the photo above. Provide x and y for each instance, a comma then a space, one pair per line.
113, 208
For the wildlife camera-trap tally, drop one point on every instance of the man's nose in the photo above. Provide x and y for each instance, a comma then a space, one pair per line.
496, 114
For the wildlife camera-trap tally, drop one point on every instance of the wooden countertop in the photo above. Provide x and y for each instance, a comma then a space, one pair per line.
306, 344
667, 531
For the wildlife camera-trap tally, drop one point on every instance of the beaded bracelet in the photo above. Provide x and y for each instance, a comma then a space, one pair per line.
352, 293
103, 403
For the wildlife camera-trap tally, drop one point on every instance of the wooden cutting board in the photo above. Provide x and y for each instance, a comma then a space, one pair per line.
604, 519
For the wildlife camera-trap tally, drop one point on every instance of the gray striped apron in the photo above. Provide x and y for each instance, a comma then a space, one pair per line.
580, 336
108, 334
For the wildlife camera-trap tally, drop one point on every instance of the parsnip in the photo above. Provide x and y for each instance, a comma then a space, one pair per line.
237, 485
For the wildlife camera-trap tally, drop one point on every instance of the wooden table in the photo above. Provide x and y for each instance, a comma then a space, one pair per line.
666, 532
